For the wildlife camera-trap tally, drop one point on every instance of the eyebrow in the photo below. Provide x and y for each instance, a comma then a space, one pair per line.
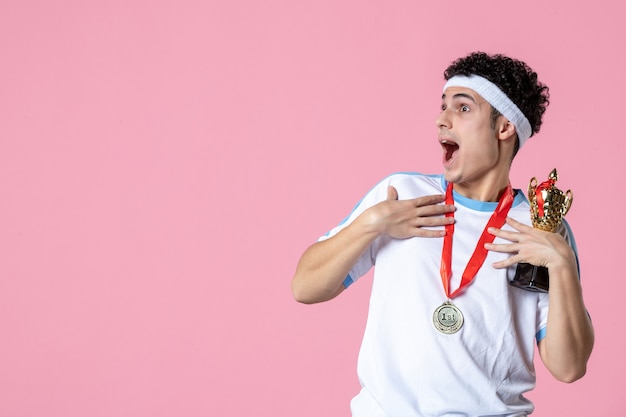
460, 95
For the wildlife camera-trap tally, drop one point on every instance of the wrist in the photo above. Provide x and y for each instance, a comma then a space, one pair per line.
371, 222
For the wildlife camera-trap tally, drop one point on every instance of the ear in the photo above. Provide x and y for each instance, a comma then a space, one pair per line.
505, 129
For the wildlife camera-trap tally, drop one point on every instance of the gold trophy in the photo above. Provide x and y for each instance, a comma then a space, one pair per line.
548, 205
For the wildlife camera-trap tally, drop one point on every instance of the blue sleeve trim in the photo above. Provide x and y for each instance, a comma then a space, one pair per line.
540, 334
348, 281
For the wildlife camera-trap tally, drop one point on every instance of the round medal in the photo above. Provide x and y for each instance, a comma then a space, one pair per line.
447, 318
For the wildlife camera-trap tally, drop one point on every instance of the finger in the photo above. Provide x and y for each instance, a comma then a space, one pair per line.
429, 200
424, 220
437, 210
505, 263
502, 248
392, 193
504, 234
419, 232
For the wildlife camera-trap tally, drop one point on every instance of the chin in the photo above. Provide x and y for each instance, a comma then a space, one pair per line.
450, 176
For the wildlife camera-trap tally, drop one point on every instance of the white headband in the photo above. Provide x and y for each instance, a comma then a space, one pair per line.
494, 96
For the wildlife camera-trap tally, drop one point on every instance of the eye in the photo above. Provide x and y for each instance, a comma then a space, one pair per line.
443, 107
464, 108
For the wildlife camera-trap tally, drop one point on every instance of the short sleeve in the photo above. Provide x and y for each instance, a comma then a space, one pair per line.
377, 194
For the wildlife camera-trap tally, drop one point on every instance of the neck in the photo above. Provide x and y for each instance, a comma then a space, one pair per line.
485, 191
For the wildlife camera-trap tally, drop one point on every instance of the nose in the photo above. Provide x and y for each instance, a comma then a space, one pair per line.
443, 120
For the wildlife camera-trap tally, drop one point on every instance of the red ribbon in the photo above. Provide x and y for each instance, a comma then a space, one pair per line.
480, 253
543, 186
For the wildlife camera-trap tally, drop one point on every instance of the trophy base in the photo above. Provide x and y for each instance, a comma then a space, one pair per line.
531, 278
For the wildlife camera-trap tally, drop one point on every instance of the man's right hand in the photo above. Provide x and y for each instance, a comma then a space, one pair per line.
402, 219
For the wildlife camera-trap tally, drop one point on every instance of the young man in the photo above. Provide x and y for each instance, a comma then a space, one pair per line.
446, 333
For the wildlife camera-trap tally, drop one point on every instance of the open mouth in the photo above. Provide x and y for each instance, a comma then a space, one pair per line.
450, 149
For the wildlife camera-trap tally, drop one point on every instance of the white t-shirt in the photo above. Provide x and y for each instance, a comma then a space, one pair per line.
409, 369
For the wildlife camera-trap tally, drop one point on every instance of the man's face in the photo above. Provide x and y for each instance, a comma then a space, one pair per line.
467, 138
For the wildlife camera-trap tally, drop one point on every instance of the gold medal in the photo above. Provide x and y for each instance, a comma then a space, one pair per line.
447, 318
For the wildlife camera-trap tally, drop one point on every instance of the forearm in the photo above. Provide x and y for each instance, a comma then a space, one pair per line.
324, 266
569, 334
569, 338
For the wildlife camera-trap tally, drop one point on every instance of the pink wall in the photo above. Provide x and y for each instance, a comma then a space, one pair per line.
163, 164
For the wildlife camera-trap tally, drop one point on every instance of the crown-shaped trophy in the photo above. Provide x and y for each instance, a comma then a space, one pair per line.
548, 205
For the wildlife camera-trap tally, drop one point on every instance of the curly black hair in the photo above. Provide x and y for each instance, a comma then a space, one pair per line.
516, 79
